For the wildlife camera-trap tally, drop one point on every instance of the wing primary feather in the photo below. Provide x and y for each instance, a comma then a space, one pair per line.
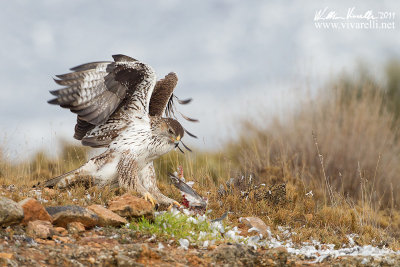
53, 101
121, 58
88, 66
186, 147
190, 134
188, 119
55, 92
180, 149
185, 101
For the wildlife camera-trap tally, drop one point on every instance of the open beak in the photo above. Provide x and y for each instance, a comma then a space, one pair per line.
176, 141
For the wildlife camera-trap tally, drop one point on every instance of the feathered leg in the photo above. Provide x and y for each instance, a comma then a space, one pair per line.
148, 178
128, 177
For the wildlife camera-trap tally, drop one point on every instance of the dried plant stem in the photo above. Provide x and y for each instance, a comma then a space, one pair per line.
321, 160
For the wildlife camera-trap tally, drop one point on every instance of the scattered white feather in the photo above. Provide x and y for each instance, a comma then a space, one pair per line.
310, 194
184, 243
314, 250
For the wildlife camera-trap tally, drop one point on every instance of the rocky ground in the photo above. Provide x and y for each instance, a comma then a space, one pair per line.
32, 235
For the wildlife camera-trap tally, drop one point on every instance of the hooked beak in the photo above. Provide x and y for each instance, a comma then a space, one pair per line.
176, 141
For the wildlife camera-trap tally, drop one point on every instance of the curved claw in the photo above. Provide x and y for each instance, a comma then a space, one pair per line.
150, 198
175, 203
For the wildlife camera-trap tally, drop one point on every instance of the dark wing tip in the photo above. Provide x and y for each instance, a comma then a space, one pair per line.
122, 58
59, 82
53, 101
63, 76
190, 134
55, 92
189, 119
180, 149
185, 101
186, 147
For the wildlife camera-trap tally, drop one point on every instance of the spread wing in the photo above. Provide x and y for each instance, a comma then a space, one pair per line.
162, 99
163, 94
97, 90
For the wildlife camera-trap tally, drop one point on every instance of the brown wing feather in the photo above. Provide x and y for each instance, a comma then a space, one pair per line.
94, 91
162, 94
81, 128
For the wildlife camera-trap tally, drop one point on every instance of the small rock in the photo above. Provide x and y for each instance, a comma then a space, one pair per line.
131, 207
75, 228
107, 217
10, 212
63, 239
33, 211
62, 215
123, 261
40, 229
45, 241
257, 223
6, 256
61, 231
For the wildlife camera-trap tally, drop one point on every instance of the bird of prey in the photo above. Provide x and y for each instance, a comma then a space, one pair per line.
120, 106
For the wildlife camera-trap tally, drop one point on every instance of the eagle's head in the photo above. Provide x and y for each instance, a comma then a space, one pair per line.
168, 132
174, 130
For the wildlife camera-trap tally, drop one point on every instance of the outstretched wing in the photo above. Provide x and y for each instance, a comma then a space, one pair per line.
97, 90
162, 99
162, 94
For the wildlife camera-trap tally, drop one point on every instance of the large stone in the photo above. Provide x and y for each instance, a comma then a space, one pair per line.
33, 211
107, 217
10, 212
62, 215
131, 207
40, 229
257, 224
75, 228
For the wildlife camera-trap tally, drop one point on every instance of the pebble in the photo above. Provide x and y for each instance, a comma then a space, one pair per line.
10, 212
131, 207
40, 229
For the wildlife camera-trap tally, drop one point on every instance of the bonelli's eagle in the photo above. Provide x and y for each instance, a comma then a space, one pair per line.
120, 106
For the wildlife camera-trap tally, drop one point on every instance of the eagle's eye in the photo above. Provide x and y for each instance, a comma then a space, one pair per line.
170, 131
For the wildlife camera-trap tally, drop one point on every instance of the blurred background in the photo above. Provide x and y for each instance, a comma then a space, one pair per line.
237, 59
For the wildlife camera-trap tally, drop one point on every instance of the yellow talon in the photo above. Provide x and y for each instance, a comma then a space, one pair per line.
174, 204
150, 198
